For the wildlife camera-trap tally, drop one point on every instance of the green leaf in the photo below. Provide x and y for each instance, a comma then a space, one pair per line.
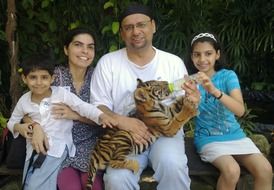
45, 3
106, 29
27, 3
258, 85
3, 121
3, 36
113, 48
115, 27
52, 25
74, 24
108, 4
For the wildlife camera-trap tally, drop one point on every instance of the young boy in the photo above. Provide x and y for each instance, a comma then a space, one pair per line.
37, 74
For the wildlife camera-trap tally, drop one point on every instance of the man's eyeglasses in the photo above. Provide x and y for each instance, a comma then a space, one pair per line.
139, 25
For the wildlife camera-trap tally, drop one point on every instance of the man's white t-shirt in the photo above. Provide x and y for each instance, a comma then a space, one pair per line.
115, 77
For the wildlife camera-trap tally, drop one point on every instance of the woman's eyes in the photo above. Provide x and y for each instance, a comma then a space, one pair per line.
80, 45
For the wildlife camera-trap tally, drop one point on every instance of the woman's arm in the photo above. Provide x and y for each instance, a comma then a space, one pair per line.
60, 109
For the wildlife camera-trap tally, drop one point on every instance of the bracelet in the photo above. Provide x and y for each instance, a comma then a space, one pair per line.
221, 95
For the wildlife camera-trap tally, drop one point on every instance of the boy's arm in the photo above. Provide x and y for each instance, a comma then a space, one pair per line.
14, 121
14, 124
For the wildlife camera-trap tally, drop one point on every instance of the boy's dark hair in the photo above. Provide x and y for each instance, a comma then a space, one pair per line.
37, 62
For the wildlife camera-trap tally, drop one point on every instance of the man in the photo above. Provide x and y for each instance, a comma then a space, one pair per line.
115, 80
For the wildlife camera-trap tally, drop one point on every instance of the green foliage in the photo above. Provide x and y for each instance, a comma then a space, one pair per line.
245, 28
189, 128
246, 121
262, 86
3, 123
2, 35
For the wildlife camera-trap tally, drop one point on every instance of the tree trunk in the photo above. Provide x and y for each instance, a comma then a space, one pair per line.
15, 88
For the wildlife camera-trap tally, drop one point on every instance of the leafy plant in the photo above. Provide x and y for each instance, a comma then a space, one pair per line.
189, 128
3, 123
245, 28
246, 121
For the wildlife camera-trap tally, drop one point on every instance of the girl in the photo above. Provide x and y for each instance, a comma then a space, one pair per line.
219, 139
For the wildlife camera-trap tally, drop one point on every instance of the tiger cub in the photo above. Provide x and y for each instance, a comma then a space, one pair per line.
113, 148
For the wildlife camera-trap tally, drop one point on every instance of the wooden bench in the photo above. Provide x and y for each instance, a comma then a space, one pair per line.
198, 170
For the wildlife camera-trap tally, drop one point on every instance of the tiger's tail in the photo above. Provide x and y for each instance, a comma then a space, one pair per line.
100, 157
93, 167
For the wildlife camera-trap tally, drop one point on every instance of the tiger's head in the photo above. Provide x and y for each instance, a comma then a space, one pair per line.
150, 91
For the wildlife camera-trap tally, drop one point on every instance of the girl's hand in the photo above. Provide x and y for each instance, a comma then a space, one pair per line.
207, 84
192, 92
62, 111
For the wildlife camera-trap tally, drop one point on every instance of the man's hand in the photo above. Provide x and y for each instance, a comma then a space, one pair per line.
107, 121
136, 127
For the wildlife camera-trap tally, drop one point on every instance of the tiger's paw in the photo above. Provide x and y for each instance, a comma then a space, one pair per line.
133, 165
193, 107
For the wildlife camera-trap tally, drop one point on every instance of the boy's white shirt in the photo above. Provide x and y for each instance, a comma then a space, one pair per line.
58, 131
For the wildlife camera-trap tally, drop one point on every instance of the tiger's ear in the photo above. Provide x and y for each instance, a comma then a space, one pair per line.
140, 83
140, 95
